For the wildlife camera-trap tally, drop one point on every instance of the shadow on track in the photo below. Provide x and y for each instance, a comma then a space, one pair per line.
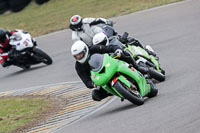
117, 110
24, 71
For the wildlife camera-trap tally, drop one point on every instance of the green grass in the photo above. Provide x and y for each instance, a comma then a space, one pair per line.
55, 15
15, 112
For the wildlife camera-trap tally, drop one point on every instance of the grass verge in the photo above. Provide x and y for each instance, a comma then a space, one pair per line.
19, 113
55, 15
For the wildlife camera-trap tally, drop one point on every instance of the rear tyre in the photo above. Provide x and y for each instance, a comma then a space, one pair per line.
43, 57
129, 94
156, 75
154, 90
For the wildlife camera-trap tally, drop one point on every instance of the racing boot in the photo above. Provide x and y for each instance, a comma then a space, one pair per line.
99, 93
6, 63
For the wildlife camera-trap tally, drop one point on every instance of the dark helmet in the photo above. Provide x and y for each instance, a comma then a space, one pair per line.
2, 36
76, 23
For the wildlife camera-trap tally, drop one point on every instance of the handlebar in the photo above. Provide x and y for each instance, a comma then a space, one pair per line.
115, 55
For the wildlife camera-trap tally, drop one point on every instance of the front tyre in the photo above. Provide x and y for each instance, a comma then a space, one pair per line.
42, 56
156, 75
163, 71
128, 93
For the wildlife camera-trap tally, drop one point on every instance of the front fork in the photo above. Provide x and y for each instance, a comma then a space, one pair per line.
143, 91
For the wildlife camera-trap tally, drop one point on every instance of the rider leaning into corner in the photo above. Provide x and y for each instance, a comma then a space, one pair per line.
102, 39
5, 46
85, 29
82, 53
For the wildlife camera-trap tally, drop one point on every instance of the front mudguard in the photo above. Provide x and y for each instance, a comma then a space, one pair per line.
112, 90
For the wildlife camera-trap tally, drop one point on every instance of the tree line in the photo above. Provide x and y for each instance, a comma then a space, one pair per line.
16, 5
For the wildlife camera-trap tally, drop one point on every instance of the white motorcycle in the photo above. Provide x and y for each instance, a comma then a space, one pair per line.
24, 52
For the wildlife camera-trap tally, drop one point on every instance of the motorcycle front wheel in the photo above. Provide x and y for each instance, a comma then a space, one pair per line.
156, 75
42, 56
130, 94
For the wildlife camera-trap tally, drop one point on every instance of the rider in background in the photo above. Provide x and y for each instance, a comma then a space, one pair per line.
85, 29
4, 40
102, 39
5, 46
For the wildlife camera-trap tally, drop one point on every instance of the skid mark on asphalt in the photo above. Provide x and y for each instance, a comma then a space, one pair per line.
79, 104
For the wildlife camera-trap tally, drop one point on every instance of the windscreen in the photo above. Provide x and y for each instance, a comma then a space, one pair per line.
96, 61
16, 37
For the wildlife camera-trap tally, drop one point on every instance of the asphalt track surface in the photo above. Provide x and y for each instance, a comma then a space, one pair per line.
174, 33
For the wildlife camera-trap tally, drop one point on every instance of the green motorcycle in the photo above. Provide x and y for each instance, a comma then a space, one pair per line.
117, 78
145, 60
149, 63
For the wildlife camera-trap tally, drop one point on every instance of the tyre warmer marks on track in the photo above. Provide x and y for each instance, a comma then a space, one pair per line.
79, 104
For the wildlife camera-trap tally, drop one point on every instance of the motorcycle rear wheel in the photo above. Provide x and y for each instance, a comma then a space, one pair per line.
154, 90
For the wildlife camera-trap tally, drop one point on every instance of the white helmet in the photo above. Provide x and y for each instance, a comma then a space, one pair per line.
100, 39
80, 51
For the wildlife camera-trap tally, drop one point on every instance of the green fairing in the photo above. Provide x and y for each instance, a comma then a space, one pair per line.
156, 63
145, 55
111, 67
140, 80
143, 52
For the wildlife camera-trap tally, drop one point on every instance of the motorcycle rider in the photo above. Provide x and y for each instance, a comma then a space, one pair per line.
102, 39
85, 29
82, 53
5, 47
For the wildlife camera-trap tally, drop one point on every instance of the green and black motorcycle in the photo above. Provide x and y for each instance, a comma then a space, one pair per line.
143, 59
147, 61
119, 79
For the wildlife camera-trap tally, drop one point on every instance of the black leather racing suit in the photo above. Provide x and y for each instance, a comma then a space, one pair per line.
83, 70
